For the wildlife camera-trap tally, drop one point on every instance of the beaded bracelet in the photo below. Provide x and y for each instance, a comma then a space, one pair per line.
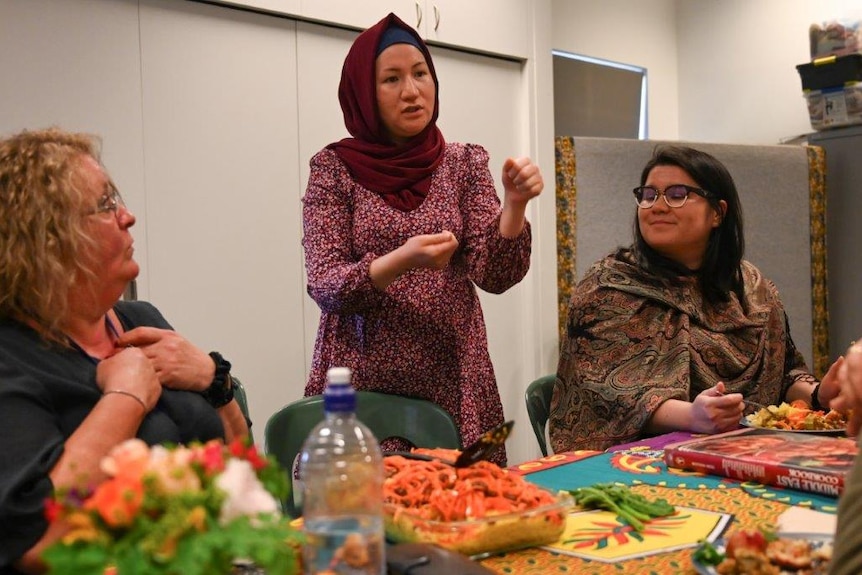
130, 394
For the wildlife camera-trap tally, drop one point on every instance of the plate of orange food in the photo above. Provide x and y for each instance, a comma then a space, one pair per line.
753, 551
797, 417
474, 510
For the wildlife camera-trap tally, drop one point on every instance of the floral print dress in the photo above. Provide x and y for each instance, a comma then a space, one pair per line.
424, 335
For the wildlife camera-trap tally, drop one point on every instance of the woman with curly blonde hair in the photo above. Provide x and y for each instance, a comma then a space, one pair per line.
39, 241
81, 371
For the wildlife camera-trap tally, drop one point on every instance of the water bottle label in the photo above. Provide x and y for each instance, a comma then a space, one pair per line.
339, 399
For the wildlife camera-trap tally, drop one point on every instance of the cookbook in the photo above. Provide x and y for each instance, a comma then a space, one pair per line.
814, 463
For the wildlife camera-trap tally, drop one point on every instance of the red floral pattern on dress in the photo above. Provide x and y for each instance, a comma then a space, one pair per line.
423, 336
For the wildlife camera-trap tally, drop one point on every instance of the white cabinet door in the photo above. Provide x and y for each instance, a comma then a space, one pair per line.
494, 26
220, 147
75, 64
320, 55
483, 101
360, 14
285, 7
498, 27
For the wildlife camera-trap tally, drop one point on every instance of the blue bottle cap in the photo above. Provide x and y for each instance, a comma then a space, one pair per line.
339, 395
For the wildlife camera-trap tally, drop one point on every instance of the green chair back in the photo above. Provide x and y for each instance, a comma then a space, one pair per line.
240, 396
538, 398
421, 422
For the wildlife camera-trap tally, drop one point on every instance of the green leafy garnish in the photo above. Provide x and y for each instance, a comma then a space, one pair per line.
707, 554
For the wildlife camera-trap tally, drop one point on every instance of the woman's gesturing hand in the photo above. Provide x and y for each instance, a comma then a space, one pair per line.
432, 251
429, 251
522, 180
714, 412
178, 363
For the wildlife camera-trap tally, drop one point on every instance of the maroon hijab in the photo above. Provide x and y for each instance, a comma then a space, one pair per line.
400, 174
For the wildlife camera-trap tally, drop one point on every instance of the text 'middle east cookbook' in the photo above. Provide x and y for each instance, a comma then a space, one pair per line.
810, 462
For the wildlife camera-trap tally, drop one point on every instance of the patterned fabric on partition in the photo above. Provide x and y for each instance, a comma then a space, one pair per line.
819, 290
567, 225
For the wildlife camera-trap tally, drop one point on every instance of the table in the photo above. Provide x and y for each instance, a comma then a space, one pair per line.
640, 465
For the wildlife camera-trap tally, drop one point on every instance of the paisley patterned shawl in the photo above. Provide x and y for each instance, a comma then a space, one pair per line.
636, 340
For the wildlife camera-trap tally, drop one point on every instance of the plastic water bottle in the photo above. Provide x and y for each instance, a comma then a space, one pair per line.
341, 468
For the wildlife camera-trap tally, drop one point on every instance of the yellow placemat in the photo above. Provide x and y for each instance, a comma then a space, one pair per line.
601, 536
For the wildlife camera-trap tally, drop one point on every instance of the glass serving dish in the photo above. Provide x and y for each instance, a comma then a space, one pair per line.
480, 537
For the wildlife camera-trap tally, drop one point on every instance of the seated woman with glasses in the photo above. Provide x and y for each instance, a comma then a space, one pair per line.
674, 331
80, 371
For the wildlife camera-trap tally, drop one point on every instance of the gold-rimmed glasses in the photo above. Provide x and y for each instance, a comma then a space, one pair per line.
674, 195
111, 201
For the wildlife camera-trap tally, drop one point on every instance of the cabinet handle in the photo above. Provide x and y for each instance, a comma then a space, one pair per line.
436, 17
418, 15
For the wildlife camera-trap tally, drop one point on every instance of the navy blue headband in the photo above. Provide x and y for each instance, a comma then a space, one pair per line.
396, 35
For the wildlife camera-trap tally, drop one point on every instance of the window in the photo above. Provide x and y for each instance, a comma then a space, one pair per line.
599, 98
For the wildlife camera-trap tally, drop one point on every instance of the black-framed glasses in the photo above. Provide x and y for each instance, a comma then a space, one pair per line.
675, 195
111, 201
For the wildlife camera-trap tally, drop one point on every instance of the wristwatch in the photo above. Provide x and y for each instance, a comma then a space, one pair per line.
815, 399
220, 391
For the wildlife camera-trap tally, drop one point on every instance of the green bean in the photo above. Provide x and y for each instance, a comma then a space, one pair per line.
632, 508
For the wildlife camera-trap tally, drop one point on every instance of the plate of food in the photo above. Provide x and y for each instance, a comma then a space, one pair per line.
797, 417
754, 551
474, 510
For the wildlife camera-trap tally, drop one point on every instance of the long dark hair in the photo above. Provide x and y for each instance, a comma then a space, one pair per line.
721, 270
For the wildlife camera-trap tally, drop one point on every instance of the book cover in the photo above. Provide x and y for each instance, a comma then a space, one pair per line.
812, 462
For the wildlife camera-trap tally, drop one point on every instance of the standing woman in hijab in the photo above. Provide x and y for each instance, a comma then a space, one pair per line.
399, 228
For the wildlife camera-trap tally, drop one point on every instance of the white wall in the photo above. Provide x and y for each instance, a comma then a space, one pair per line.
737, 66
718, 70
637, 32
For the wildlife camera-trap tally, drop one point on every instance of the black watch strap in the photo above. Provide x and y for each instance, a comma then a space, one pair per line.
220, 391
815, 399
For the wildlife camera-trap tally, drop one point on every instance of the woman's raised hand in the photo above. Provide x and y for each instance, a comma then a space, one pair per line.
522, 180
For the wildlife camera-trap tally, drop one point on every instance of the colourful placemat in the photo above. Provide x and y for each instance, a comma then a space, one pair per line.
749, 512
641, 466
644, 465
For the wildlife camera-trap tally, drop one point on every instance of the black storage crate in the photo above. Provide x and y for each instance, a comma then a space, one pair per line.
831, 72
